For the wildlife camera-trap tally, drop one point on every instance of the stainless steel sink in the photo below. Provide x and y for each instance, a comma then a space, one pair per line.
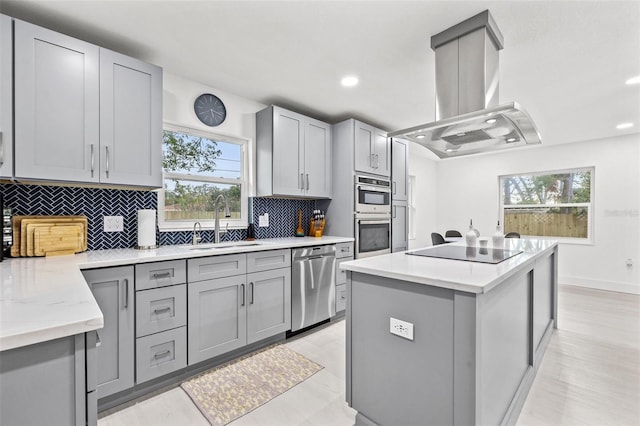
224, 245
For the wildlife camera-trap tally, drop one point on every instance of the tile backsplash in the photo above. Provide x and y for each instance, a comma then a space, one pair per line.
98, 202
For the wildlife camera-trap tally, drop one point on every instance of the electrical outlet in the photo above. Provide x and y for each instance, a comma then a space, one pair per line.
263, 220
401, 328
113, 224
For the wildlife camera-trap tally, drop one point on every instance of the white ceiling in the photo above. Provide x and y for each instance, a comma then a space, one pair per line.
565, 62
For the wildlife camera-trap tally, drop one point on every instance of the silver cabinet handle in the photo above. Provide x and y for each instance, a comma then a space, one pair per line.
92, 161
126, 293
162, 354
377, 161
162, 275
393, 188
161, 310
242, 287
301, 180
106, 148
307, 181
251, 286
1, 150
394, 212
98, 340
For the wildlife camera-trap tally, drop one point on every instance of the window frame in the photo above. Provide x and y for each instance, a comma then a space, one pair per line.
590, 239
187, 225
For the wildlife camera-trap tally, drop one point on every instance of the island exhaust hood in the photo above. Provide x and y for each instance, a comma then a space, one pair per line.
468, 117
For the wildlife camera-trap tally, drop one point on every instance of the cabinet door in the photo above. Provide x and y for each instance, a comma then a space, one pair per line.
288, 152
399, 227
56, 106
399, 155
364, 144
130, 121
6, 98
217, 319
317, 162
382, 153
268, 303
113, 290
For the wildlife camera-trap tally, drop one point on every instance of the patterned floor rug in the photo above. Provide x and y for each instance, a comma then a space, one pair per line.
232, 390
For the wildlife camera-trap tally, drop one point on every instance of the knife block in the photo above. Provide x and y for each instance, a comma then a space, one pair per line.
316, 227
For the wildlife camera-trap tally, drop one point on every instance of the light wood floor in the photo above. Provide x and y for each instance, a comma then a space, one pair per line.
590, 375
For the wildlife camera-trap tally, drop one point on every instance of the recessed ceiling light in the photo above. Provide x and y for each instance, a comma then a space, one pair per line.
622, 126
633, 80
420, 137
349, 81
449, 150
491, 121
511, 140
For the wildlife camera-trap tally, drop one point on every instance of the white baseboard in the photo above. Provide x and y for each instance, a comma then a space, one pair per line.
600, 284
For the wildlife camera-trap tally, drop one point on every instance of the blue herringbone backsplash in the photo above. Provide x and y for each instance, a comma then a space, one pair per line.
97, 202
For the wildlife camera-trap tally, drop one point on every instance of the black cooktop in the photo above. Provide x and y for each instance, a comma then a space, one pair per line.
470, 254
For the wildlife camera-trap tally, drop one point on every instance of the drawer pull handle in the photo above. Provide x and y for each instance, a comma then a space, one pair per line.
344, 250
162, 275
161, 310
162, 354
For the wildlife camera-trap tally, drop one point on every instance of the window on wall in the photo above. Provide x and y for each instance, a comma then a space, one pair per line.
555, 204
197, 168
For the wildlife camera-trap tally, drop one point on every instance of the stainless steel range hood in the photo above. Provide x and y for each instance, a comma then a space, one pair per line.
468, 117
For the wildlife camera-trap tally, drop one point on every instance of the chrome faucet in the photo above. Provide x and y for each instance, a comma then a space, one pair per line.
195, 237
216, 208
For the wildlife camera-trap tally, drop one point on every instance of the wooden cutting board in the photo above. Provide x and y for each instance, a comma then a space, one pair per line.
19, 224
53, 240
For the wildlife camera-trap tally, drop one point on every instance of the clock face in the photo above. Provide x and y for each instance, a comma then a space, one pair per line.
210, 109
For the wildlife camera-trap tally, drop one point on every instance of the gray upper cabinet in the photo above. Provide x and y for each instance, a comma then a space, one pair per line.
372, 151
268, 303
6, 97
399, 176
130, 121
113, 290
293, 154
399, 227
56, 106
84, 114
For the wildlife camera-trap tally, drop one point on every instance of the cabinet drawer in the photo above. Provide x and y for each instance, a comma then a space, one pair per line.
207, 268
341, 298
161, 309
344, 250
160, 274
341, 274
267, 260
160, 354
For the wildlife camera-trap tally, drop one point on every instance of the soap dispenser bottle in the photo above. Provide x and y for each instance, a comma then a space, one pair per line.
498, 237
471, 237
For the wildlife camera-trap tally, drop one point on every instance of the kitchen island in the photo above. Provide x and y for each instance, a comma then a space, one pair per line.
448, 342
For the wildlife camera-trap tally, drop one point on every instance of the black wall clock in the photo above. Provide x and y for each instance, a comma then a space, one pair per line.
210, 109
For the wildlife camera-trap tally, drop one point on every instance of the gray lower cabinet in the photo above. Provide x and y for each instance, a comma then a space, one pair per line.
113, 289
161, 353
344, 253
46, 384
268, 303
399, 226
217, 317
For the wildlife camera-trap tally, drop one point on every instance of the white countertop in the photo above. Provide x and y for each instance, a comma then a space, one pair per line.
472, 277
46, 298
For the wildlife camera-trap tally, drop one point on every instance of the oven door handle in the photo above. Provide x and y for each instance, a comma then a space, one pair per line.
374, 221
373, 188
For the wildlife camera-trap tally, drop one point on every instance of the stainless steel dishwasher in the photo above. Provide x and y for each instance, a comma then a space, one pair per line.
313, 293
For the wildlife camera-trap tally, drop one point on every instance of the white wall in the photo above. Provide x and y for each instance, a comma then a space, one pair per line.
178, 97
468, 188
423, 168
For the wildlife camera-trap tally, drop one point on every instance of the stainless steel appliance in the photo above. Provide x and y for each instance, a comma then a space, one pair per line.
373, 235
372, 195
313, 294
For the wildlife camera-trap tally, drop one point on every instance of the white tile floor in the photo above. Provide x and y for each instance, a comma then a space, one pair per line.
590, 375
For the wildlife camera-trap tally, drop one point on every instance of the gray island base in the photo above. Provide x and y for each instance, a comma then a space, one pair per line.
473, 348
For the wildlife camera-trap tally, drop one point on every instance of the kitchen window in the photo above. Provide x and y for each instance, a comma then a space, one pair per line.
197, 167
556, 204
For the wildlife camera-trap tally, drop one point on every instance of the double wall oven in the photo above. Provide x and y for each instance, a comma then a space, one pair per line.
372, 216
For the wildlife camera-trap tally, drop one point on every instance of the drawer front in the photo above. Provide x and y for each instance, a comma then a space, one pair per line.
160, 274
341, 298
344, 250
267, 260
160, 354
341, 274
161, 309
208, 268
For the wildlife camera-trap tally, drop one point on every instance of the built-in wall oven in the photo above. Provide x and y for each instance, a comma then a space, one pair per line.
372, 216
